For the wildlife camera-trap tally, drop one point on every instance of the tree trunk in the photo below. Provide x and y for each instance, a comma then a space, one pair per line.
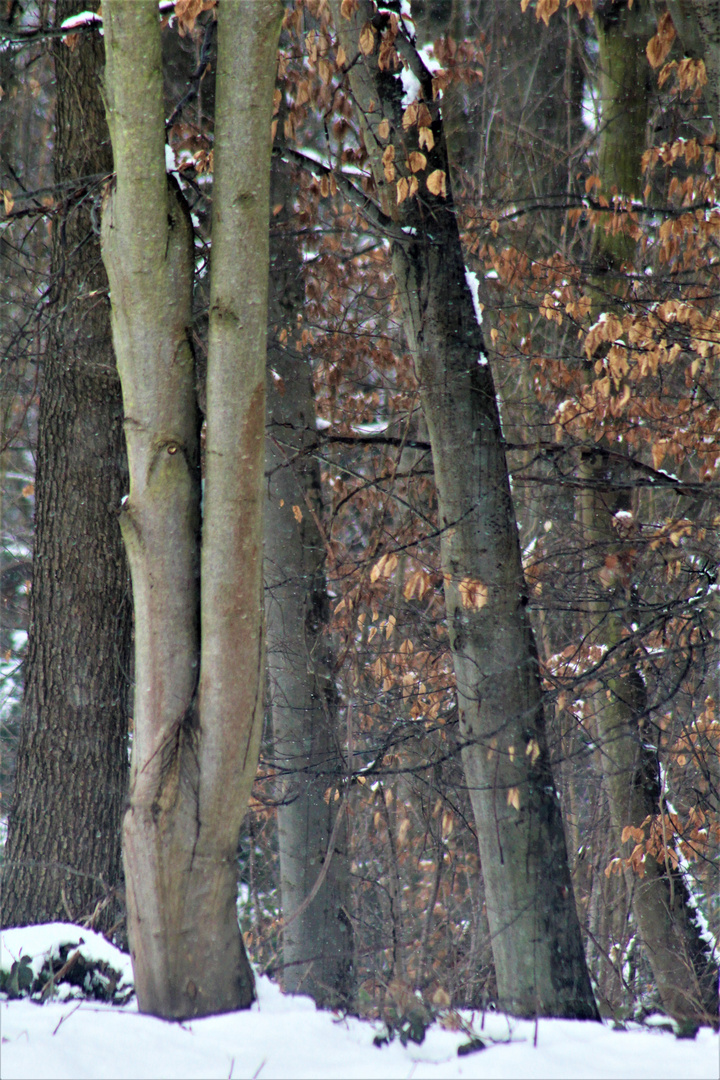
681, 961
318, 944
536, 939
63, 848
698, 25
198, 705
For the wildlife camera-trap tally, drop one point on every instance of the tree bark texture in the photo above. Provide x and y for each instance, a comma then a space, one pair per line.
535, 932
199, 655
318, 944
63, 848
681, 961
698, 25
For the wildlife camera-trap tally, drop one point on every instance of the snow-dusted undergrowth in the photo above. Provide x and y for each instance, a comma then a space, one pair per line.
284, 1036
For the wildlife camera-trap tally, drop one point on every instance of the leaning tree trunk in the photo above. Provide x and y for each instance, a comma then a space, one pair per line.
63, 849
318, 942
535, 933
681, 961
198, 644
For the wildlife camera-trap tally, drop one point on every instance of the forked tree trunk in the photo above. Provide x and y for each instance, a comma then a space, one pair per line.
63, 850
199, 644
318, 943
682, 962
534, 928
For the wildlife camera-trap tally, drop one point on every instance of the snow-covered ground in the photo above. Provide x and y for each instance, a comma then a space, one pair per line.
287, 1037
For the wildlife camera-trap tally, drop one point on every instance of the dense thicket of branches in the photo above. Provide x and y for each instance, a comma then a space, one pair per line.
602, 328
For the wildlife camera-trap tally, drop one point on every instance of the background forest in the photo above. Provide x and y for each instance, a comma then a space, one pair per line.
574, 150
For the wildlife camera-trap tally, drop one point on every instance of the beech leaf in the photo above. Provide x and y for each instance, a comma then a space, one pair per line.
426, 138
416, 161
436, 183
366, 41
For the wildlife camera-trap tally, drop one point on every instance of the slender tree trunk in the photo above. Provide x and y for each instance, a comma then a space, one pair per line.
531, 912
318, 944
682, 963
199, 646
63, 849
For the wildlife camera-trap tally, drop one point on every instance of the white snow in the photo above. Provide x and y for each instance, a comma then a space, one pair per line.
376, 427
474, 286
428, 58
410, 82
171, 162
407, 19
83, 18
92, 18
283, 1036
41, 942
411, 86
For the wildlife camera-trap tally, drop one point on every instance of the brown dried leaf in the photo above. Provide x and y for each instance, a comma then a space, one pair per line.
584, 7
416, 161
410, 116
325, 71
660, 45
424, 119
416, 585
384, 129
297, 514
436, 183
426, 138
387, 161
546, 9
473, 594
366, 41
384, 567
187, 11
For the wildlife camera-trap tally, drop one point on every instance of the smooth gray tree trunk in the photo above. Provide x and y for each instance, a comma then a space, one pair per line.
318, 943
198, 615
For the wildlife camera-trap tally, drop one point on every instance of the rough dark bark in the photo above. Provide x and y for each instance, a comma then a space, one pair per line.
317, 944
536, 939
63, 848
